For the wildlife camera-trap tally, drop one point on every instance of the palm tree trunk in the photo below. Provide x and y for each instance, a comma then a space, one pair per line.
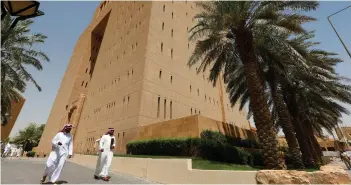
314, 145
305, 148
265, 127
300, 133
285, 122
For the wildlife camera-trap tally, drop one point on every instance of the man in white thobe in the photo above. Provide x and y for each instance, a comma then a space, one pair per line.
106, 144
19, 152
7, 150
62, 147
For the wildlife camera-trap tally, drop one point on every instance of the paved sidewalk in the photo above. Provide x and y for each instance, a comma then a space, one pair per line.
29, 171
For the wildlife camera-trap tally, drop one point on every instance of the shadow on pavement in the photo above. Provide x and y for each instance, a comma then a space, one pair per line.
58, 182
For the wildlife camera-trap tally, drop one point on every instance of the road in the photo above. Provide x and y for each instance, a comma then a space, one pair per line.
15, 171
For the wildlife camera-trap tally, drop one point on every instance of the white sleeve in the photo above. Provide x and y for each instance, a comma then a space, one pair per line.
114, 141
56, 140
70, 147
101, 143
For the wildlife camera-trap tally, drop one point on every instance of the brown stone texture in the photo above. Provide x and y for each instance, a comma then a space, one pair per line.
326, 175
130, 65
15, 111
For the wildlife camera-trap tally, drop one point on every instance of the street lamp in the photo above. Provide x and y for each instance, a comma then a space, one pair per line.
22, 10
342, 42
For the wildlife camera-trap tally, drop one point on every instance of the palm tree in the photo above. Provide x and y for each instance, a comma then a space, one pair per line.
229, 30
16, 53
319, 79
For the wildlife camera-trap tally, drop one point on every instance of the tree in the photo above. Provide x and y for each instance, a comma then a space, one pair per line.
307, 98
229, 30
29, 136
17, 52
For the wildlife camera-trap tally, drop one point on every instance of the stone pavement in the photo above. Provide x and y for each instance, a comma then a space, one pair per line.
17, 171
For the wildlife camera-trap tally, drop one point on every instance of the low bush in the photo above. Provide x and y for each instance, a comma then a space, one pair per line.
257, 159
191, 147
223, 139
166, 147
30, 154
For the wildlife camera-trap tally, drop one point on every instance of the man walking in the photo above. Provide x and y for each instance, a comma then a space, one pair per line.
7, 150
62, 147
106, 145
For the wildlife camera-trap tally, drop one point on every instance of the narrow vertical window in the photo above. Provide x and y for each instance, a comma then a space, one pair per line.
86, 83
128, 99
161, 46
172, 15
198, 92
82, 83
191, 111
172, 33
172, 53
164, 109
163, 25
190, 88
170, 110
86, 70
164, 8
195, 111
171, 78
160, 74
158, 107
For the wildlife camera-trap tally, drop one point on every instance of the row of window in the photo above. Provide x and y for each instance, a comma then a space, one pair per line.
86, 84
125, 100
130, 73
190, 88
164, 108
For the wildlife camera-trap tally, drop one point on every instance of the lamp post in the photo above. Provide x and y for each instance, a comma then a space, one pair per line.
22, 10
342, 42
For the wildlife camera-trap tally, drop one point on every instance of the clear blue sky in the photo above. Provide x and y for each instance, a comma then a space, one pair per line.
64, 21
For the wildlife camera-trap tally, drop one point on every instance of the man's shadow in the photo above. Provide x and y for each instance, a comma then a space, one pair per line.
58, 182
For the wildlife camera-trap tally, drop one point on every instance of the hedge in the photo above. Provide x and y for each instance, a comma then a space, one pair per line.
30, 154
221, 138
191, 147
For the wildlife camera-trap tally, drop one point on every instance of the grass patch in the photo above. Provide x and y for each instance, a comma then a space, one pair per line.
200, 164
151, 156
214, 165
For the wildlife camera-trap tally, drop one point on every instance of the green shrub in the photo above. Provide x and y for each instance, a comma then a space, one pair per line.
30, 154
257, 159
191, 147
213, 135
166, 147
221, 138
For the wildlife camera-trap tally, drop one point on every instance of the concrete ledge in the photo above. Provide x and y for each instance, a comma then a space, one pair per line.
170, 171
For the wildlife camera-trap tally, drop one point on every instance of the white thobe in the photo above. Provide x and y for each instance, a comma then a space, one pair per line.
19, 151
7, 150
58, 155
105, 158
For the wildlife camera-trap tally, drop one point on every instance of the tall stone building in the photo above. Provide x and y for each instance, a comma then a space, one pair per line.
129, 71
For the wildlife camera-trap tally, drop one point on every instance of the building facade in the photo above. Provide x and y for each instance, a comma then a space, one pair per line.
129, 70
15, 111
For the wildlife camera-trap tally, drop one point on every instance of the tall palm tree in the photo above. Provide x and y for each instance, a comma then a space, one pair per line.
17, 52
232, 27
319, 79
